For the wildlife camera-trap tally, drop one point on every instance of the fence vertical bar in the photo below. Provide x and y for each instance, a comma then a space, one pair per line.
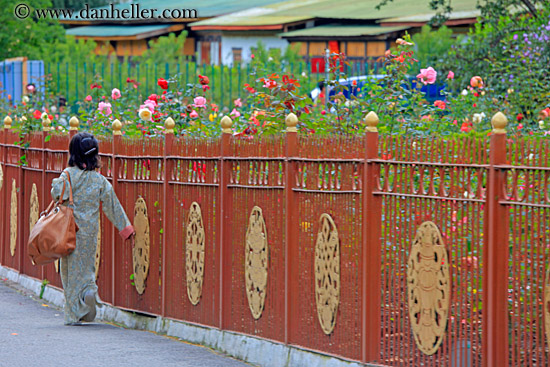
226, 212
146, 79
239, 80
496, 253
168, 203
291, 276
76, 81
117, 140
67, 79
221, 86
371, 252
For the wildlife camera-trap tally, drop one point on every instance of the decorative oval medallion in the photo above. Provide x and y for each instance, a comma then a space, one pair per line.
429, 288
194, 253
141, 247
98, 246
255, 266
34, 211
327, 273
13, 218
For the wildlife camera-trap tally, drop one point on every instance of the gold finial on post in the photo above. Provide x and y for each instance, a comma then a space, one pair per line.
371, 120
169, 125
46, 124
7, 122
226, 124
291, 122
73, 123
117, 127
499, 122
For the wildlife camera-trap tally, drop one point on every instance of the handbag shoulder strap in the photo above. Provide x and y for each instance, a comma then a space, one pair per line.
70, 190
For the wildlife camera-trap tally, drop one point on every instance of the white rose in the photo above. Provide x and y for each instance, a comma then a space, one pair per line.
25, 99
44, 116
464, 92
482, 115
477, 118
541, 124
53, 108
145, 114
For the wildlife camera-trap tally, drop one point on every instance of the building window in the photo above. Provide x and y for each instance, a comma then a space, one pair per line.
237, 55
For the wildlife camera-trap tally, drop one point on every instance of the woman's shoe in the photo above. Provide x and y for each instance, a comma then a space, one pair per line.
89, 299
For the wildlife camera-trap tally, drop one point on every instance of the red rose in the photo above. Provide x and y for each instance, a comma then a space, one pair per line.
153, 97
162, 83
519, 117
37, 114
204, 80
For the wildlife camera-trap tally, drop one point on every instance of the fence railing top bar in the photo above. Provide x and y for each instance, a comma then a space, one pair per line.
531, 168
193, 158
429, 197
252, 158
329, 160
437, 164
520, 203
139, 156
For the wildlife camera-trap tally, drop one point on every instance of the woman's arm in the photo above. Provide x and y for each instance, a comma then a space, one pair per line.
114, 211
57, 187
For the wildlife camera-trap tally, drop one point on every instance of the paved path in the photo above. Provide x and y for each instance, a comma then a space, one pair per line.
32, 334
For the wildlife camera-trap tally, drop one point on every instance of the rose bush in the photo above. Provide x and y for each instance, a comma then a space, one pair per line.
468, 103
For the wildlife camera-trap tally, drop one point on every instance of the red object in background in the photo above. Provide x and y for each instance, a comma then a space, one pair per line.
318, 65
333, 47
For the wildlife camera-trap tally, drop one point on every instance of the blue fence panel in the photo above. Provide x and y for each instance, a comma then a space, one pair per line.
11, 78
12, 74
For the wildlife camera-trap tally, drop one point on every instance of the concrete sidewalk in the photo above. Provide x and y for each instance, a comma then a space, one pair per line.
32, 334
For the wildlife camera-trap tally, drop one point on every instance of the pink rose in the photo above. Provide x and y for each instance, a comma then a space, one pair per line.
200, 102
238, 102
105, 108
194, 114
427, 76
235, 113
88, 98
115, 94
451, 75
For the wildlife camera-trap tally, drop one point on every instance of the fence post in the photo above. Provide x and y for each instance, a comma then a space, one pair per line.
3, 240
45, 145
291, 276
117, 137
371, 251
168, 203
73, 127
226, 211
496, 254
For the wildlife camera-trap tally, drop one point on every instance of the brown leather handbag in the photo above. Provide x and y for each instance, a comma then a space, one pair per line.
54, 234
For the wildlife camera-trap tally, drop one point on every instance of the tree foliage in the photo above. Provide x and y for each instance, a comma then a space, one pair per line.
29, 37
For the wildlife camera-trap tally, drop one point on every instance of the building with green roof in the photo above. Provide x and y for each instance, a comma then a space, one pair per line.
354, 27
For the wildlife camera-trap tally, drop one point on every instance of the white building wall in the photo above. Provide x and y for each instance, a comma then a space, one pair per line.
245, 43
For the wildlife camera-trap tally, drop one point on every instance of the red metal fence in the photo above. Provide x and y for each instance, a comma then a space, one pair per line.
387, 250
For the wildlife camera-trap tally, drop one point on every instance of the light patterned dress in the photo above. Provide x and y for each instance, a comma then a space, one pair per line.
78, 269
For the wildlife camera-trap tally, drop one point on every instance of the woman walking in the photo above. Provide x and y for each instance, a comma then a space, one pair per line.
89, 189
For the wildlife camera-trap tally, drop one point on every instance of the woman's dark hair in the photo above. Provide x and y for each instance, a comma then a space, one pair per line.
84, 152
